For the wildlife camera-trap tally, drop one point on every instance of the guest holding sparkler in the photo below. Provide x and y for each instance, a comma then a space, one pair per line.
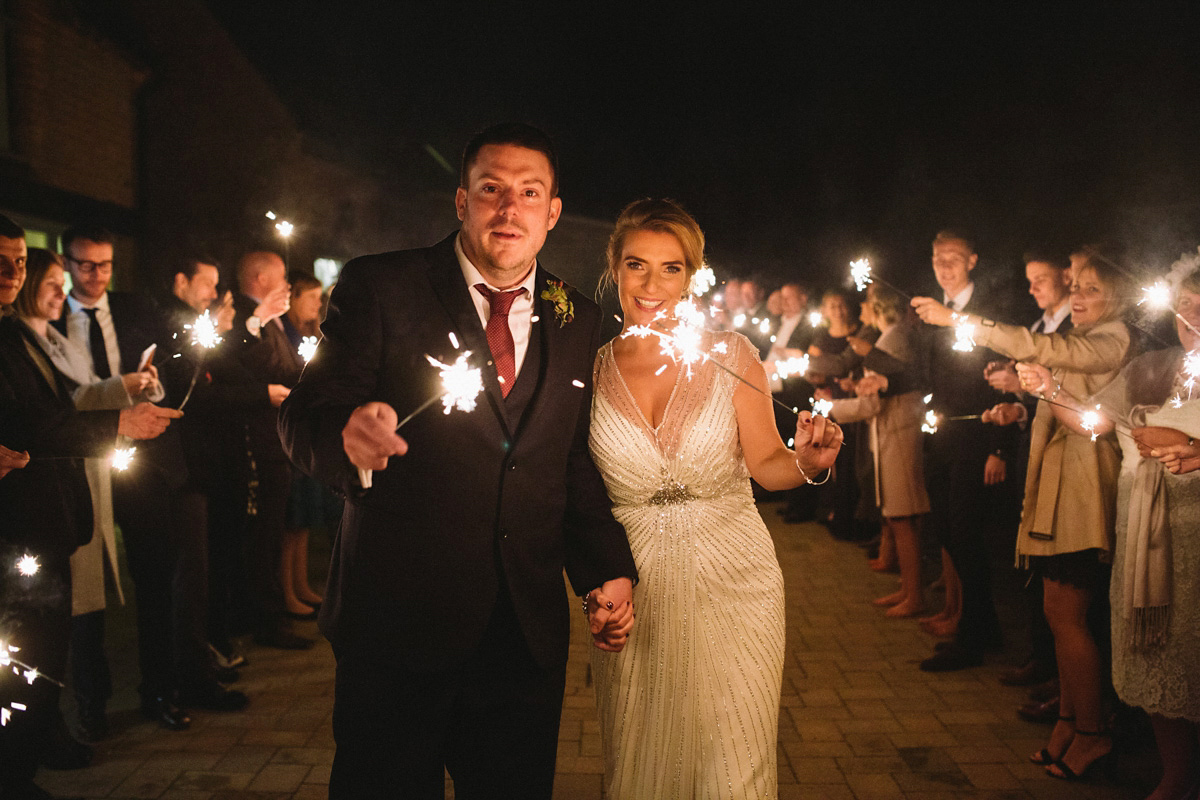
1066, 532
47, 512
894, 434
690, 707
961, 461
306, 503
1155, 589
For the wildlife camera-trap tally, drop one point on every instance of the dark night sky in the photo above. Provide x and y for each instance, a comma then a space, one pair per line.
799, 138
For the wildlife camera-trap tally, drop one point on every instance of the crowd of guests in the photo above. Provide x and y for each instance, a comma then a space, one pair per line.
213, 518
1088, 405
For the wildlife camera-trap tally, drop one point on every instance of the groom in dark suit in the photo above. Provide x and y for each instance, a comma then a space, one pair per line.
445, 599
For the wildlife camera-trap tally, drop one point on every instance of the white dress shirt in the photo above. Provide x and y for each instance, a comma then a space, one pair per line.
960, 299
79, 328
1050, 320
520, 316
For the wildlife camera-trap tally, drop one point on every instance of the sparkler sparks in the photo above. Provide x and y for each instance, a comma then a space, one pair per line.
930, 425
122, 458
822, 407
1088, 420
461, 384
860, 273
787, 367
28, 565
307, 348
815, 319
204, 331
684, 342
964, 333
703, 280
1156, 296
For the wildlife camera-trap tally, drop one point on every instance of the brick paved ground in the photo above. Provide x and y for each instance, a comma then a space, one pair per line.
859, 719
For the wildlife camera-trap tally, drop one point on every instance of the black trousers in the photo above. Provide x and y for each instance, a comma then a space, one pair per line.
954, 479
491, 722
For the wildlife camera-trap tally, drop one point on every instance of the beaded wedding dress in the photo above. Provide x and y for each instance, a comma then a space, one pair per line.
690, 707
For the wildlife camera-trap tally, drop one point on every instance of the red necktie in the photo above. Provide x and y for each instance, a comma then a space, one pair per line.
499, 335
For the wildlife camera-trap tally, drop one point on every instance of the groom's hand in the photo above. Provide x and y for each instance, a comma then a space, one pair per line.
369, 437
610, 614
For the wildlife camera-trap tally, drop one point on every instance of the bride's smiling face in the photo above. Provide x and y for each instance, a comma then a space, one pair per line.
651, 276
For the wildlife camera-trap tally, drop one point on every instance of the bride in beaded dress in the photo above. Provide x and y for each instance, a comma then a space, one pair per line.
690, 707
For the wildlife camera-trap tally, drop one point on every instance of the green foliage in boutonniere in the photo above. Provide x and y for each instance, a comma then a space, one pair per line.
564, 310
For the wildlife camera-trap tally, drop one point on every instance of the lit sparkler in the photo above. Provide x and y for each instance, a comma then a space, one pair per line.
1157, 297
860, 273
703, 280
122, 458
205, 337
930, 425
739, 320
964, 333
822, 407
307, 348
1088, 420
815, 319
787, 367
28, 565
285, 228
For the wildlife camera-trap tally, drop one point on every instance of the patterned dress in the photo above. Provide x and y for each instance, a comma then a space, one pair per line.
690, 707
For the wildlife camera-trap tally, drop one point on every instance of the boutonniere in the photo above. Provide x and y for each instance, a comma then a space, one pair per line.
564, 310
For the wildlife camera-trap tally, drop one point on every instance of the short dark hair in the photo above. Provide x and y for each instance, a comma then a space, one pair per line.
302, 282
10, 229
515, 133
91, 231
1046, 255
954, 234
188, 266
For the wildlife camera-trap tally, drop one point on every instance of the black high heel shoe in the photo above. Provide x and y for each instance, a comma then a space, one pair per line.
1104, 762
1044, 758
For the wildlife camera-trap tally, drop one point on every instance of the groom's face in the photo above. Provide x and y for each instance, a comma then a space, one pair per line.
506, 210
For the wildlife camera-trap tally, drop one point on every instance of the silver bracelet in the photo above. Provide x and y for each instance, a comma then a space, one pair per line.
809, 480
586, 598
1057, 389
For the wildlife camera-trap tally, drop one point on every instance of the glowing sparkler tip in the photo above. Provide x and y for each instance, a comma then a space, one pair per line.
821, 407
1157, 296
964, 333
122, 458
28, 565
461, 383
285, 228
930, 425
860, 272
815, 318
1088, 420
30, 675
204, 331
577, 383
787, 367
307, 348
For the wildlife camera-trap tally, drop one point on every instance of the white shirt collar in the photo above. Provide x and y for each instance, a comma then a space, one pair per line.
472, 275
1051, 320
76, 305
962, 298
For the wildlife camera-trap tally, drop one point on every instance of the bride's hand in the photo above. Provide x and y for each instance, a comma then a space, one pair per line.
818, 440
610, 614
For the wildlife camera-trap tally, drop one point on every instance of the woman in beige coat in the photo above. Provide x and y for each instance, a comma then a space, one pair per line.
1067, 520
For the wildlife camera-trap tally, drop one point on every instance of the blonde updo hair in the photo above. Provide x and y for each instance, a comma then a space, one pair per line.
659, 216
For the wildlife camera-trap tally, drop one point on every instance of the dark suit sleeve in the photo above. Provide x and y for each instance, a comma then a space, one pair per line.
597, 549
341, 377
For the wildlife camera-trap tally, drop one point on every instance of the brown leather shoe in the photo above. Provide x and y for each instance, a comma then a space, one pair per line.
1046, 712
1044, 691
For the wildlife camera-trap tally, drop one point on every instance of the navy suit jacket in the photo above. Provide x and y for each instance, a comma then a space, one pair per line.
483, 500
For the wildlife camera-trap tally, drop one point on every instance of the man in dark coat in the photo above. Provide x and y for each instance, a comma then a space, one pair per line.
445, 600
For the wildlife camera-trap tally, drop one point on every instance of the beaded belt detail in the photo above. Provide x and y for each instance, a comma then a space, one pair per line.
672, 492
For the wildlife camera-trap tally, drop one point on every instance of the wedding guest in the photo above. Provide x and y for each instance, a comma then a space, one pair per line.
306, 503
118, 329
1155, 588
1066, 532
697, 688
961, 460
894, 434
40, 301
47, 513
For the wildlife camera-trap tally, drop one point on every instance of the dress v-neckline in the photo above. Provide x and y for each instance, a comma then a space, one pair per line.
633, 401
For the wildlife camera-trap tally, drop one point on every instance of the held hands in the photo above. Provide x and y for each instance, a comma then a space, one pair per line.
870, 384
1002, 376
275, 304
369, 437
818, 440
145, 420
1035, 378
933, 312
1003, 413
11, 459
610, 614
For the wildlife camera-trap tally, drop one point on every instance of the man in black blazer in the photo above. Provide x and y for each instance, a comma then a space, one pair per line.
445, 597
116, 328
964, 456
